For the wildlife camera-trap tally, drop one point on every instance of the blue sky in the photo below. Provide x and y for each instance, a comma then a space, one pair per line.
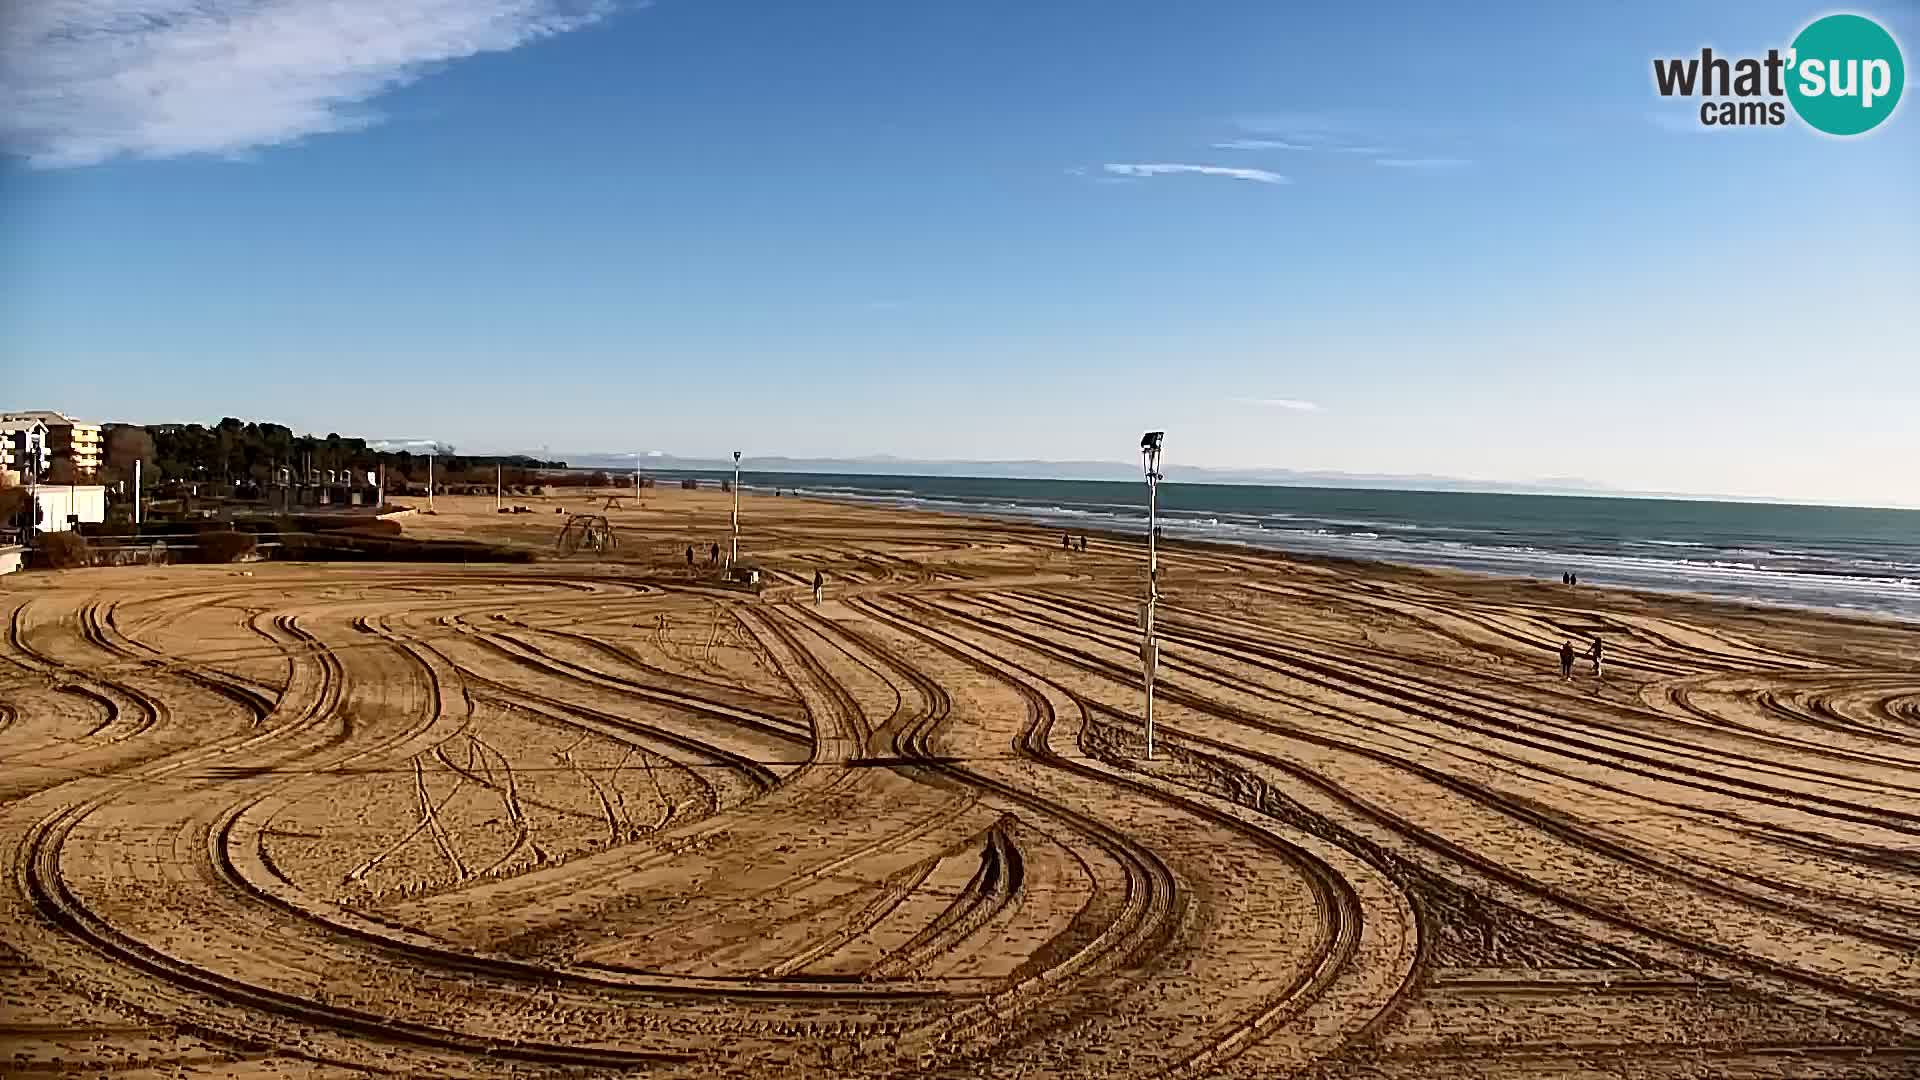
1470, 242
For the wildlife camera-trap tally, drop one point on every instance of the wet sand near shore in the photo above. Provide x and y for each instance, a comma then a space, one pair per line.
606, 814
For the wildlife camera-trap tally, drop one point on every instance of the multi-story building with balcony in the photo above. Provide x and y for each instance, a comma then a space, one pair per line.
22, 444
75, 442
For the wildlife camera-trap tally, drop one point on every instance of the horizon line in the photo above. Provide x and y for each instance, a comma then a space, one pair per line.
1467, 485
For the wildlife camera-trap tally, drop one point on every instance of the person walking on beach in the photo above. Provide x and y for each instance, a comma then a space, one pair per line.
1594, 654
1566, 660
1066, 541
819, 582
713, 554
1083, 541
689, 556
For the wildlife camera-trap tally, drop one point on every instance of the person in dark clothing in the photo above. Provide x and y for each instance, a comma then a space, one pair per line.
819, 582
1083, 541
1594, 654
689, 556
1066, 542
713, 554
1566, 660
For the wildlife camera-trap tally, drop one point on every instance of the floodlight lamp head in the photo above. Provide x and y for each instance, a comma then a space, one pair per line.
736, 455
1150, 442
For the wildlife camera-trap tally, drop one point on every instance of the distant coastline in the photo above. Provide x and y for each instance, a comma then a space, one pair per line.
1120, 472
1831, 558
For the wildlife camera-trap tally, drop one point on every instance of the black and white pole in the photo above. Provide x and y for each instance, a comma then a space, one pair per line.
1149, 648
735, 556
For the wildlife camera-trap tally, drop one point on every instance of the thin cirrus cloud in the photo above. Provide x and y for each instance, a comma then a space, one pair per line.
1425, 164
87, 81
1260, 144
1291, 404
1386, 136
1261, 176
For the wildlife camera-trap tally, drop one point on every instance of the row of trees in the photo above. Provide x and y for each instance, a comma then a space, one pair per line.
244, 453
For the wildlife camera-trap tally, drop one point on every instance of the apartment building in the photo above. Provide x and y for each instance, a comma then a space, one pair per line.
73, 441
21, 443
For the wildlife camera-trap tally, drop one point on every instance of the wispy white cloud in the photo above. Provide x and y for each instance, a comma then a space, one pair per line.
1167, 169
1294, 404
1427, 164
1260, 144
1303, 124
1390, 137
85, 81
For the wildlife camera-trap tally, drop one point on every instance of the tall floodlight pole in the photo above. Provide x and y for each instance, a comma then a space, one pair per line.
33, 490
735, 557
496, 487
1149, 649
430, 451
136, 491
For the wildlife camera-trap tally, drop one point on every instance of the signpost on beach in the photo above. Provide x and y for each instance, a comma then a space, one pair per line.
1149, 649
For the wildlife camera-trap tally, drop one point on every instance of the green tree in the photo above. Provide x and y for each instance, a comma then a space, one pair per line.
14, 502
127, 444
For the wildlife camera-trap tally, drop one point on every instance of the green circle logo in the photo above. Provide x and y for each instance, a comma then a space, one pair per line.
1845, 74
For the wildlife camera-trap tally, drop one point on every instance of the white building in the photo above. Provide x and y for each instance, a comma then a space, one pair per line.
58, 502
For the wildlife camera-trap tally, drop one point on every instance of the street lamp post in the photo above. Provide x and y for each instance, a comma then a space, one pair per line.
735, 556
38, 450
1150, 649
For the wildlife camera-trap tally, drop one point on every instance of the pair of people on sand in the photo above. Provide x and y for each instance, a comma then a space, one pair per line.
1594, 653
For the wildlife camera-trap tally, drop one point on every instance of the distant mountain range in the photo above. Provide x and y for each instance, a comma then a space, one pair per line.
887, 465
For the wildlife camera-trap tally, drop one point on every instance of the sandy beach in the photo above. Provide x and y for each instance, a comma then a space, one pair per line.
605, 813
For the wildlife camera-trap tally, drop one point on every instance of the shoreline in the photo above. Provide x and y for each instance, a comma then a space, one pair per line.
1741, 602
